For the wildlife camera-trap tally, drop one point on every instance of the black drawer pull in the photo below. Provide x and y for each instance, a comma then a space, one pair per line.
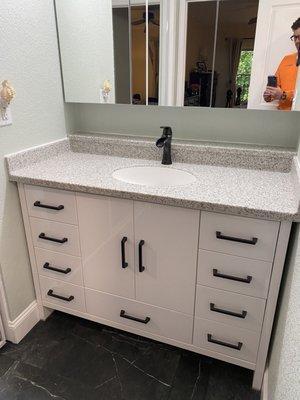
39, 204
231, 346
231, 277
62, 271
124, 263
142, 321
57, 296
252, 241
141, 267
51, 239
233, 314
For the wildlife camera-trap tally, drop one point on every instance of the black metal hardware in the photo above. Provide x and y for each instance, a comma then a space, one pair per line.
39, 204
231, 346
165, 142
252, 241
124, 263
231, 277
51, 239
62, 271
57, 296
233, 314
141, 267
142, 321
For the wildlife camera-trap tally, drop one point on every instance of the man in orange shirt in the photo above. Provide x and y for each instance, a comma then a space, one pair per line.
286, 75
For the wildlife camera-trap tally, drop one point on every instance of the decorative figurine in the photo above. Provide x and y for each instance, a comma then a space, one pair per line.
7, 93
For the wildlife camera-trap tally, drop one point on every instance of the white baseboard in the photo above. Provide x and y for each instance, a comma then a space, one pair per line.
19, 327
264, 389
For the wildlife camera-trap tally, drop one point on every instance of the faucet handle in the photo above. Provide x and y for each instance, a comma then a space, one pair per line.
167, 130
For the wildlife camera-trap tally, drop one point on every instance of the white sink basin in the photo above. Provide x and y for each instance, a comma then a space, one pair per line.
154, 176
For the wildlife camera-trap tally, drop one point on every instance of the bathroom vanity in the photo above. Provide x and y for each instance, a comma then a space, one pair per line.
197, 266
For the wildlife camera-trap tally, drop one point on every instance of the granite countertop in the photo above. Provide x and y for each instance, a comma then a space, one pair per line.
81, 163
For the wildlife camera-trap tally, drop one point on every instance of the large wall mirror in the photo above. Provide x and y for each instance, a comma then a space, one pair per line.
191, 53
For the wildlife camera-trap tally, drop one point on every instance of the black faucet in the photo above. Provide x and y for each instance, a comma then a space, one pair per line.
165, 142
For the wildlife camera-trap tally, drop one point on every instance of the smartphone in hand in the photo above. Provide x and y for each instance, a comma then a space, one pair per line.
272, 81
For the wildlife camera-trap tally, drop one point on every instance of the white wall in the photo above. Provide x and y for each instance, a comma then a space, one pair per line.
284, 363
29, 59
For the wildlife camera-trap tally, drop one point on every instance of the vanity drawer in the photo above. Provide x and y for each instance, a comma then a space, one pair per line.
59, 266
240, 236
225, 339
69, 296
52, 204
169, 324
58, 237
230, 308
236, 274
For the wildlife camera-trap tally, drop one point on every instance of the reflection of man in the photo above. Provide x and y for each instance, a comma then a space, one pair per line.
286, 75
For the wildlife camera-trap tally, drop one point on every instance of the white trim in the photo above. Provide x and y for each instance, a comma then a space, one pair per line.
167, 65
181, 54
264, 390
19, 327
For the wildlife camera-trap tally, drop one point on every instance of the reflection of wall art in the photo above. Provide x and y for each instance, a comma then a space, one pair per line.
7, 93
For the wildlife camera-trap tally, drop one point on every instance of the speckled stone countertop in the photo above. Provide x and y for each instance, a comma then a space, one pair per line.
83, 164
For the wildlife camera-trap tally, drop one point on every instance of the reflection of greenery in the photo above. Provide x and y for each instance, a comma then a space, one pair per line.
244, 73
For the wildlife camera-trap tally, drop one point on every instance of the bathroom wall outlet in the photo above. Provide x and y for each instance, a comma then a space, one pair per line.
5, 117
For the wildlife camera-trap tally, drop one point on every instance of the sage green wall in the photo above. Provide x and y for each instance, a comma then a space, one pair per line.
29, 59
275, 128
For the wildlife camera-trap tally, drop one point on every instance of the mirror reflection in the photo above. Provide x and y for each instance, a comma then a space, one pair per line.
193, 53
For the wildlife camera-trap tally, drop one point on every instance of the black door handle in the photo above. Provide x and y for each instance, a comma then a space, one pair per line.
225, 344
141, 267
51, 239
39, 204
62, 271
123, 256
231, 277
142, 321
57, 296
252, 241
221, 311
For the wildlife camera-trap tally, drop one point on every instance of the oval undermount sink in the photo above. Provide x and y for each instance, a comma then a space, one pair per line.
154, 176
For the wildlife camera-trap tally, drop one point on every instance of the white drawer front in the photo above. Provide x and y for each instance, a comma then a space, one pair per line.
246, 342
74, 295
236, 274
39, 199
263, 235
58, 231
59, 266
216, 305
170, 324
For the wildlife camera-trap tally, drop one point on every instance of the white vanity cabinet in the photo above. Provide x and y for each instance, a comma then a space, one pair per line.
203, 281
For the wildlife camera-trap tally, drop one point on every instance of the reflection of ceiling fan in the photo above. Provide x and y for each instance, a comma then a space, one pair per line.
252, 21
151, 20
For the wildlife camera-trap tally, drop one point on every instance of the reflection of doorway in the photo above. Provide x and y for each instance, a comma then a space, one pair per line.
243, 77
217, 34
138, 53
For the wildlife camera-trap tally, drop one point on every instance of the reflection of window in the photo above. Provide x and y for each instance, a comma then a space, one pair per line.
244, 74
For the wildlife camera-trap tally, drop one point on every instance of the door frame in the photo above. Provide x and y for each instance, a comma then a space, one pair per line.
182, 46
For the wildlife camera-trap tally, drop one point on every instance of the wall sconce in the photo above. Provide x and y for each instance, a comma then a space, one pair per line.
7, 93
106, 88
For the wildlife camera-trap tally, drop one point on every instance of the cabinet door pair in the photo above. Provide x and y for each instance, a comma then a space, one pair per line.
141, 251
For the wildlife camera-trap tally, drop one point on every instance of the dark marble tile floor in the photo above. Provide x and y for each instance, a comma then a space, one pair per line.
67, 358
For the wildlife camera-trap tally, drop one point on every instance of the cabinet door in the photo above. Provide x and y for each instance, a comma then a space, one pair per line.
103, 223
169, 255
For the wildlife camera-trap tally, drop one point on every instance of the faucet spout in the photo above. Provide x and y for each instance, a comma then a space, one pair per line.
165, 142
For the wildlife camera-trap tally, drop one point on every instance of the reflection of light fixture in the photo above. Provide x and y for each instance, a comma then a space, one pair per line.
7, 93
